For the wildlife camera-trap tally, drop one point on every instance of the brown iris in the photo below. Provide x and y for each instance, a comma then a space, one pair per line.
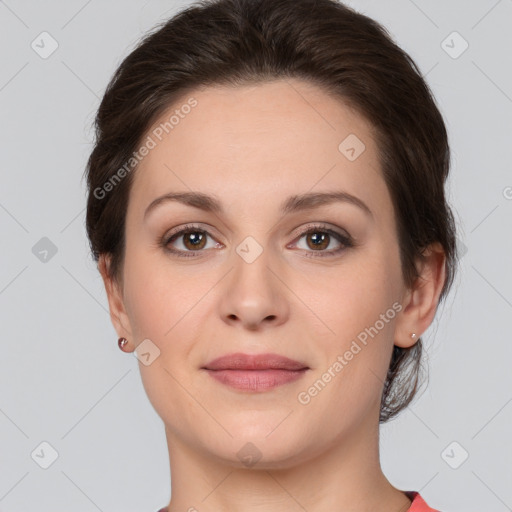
319, 241
195, 238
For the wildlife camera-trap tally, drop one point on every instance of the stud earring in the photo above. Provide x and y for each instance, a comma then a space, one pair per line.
122, 342
413, 335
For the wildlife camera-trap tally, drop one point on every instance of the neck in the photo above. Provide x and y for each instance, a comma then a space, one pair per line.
344, 476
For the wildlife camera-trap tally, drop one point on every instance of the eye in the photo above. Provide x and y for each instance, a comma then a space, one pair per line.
319, 238
191, 238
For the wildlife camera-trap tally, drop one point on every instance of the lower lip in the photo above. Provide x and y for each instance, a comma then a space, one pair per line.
256, 380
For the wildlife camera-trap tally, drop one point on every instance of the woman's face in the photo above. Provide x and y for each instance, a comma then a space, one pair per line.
248, 279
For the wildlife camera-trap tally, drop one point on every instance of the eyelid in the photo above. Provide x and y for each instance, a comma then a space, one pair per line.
296, 232
189, 227
320, 226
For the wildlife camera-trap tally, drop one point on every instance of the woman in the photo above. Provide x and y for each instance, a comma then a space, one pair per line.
267, 210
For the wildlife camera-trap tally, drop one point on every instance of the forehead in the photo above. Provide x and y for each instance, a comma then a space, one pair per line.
249, 143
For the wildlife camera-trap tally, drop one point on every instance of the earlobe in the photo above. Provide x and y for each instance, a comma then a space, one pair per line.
118, 315
421, 301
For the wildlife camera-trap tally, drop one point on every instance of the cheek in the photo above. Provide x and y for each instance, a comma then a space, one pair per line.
151, 297
161, 299
345, 300
357, 308
358, 314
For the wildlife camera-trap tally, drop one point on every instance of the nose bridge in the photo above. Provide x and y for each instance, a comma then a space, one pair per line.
253, 293
252, 260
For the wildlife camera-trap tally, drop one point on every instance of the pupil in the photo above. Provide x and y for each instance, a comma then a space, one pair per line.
194, 238
316, 237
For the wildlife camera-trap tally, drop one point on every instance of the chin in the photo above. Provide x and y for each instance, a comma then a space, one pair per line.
258, 450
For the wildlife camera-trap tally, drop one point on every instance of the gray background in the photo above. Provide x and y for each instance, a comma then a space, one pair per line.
63, 380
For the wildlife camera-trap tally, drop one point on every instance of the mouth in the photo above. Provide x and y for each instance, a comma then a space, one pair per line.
260, 372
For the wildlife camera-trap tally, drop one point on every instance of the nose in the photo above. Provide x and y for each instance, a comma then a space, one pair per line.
254, 295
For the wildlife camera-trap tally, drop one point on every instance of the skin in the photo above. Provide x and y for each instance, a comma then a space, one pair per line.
253, 147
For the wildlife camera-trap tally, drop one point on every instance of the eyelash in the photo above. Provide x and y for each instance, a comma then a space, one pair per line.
346, 241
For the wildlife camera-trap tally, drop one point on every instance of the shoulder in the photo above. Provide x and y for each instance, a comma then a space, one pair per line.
418, 503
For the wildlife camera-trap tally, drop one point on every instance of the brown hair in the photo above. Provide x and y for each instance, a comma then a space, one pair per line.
324, 42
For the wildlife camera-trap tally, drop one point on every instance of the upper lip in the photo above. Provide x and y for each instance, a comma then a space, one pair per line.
240, 361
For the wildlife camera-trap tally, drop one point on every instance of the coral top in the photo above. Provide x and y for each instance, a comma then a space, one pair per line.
418, 503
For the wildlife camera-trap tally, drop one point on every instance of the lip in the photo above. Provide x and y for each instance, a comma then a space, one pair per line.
260, 372
241, 361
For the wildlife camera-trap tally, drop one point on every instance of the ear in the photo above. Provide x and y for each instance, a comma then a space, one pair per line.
421, 301
118, 314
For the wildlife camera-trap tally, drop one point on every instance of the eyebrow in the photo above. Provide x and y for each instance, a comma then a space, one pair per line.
293, 204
